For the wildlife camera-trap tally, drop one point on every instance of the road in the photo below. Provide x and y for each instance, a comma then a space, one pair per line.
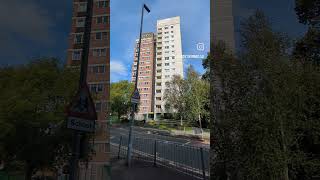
140, 132
177, 152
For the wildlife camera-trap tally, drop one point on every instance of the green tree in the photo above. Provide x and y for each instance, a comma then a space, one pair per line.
308, 11
174, 96
307, 49
206, 67
196, 96
120, 97
32, 105
260, 108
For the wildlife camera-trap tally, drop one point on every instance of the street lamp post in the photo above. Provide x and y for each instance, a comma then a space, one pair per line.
134, 105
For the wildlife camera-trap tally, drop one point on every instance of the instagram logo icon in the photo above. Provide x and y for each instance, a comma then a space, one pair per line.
200, 46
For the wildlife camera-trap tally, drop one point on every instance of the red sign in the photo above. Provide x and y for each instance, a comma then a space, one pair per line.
82, 105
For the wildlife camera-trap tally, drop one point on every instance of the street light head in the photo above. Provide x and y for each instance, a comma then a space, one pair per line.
146, 8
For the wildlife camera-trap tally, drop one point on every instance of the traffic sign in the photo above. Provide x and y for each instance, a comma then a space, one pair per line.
135, 98
81, 124
81, 112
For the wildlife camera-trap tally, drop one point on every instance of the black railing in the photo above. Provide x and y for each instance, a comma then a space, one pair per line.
190, 160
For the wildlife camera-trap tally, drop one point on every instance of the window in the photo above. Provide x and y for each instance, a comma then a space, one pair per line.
166, 32
102, 20
158, 91
166, 27
106, 147
171, 31
158, 65
98, 69
159, 53
81, 22
159, 48
158, 98
158, 84
99, 52
172, 36
98, 106
166, 64
82, 7
98, 36
96, 88
158, 106
76, 55
167, 76
102, 35
172, 46
166, 58
173, 57
158, 71
167, 42
171, 26
158, 77
172, 51
166, 52
159, 29
167, 70
159, 59
173, 69
102, 4
166, 37
159, 33
166, 47
78, 38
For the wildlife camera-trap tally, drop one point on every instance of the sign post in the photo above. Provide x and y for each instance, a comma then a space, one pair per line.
135, 99
82, 109
81, 118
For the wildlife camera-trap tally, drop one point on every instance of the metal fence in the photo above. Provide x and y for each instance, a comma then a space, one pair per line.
190, 160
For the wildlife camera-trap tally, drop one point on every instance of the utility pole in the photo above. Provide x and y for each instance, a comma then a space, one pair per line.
134, 105
83, 79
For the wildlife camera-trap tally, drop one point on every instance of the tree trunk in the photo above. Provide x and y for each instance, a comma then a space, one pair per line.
119, 115
200, 124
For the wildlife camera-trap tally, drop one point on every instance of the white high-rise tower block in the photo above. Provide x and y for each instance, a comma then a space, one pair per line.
169, 60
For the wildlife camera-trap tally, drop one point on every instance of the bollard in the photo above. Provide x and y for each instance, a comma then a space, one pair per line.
202, 164
155, 153
119, 147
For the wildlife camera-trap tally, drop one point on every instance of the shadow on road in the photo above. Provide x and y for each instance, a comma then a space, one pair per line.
141, 170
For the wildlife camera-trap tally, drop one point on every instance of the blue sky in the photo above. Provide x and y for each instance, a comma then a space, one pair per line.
125, 23
33, 28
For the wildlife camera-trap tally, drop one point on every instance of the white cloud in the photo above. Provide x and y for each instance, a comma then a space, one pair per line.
118, 71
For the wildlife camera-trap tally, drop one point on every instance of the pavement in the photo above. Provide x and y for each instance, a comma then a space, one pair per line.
144, 171
179, 152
